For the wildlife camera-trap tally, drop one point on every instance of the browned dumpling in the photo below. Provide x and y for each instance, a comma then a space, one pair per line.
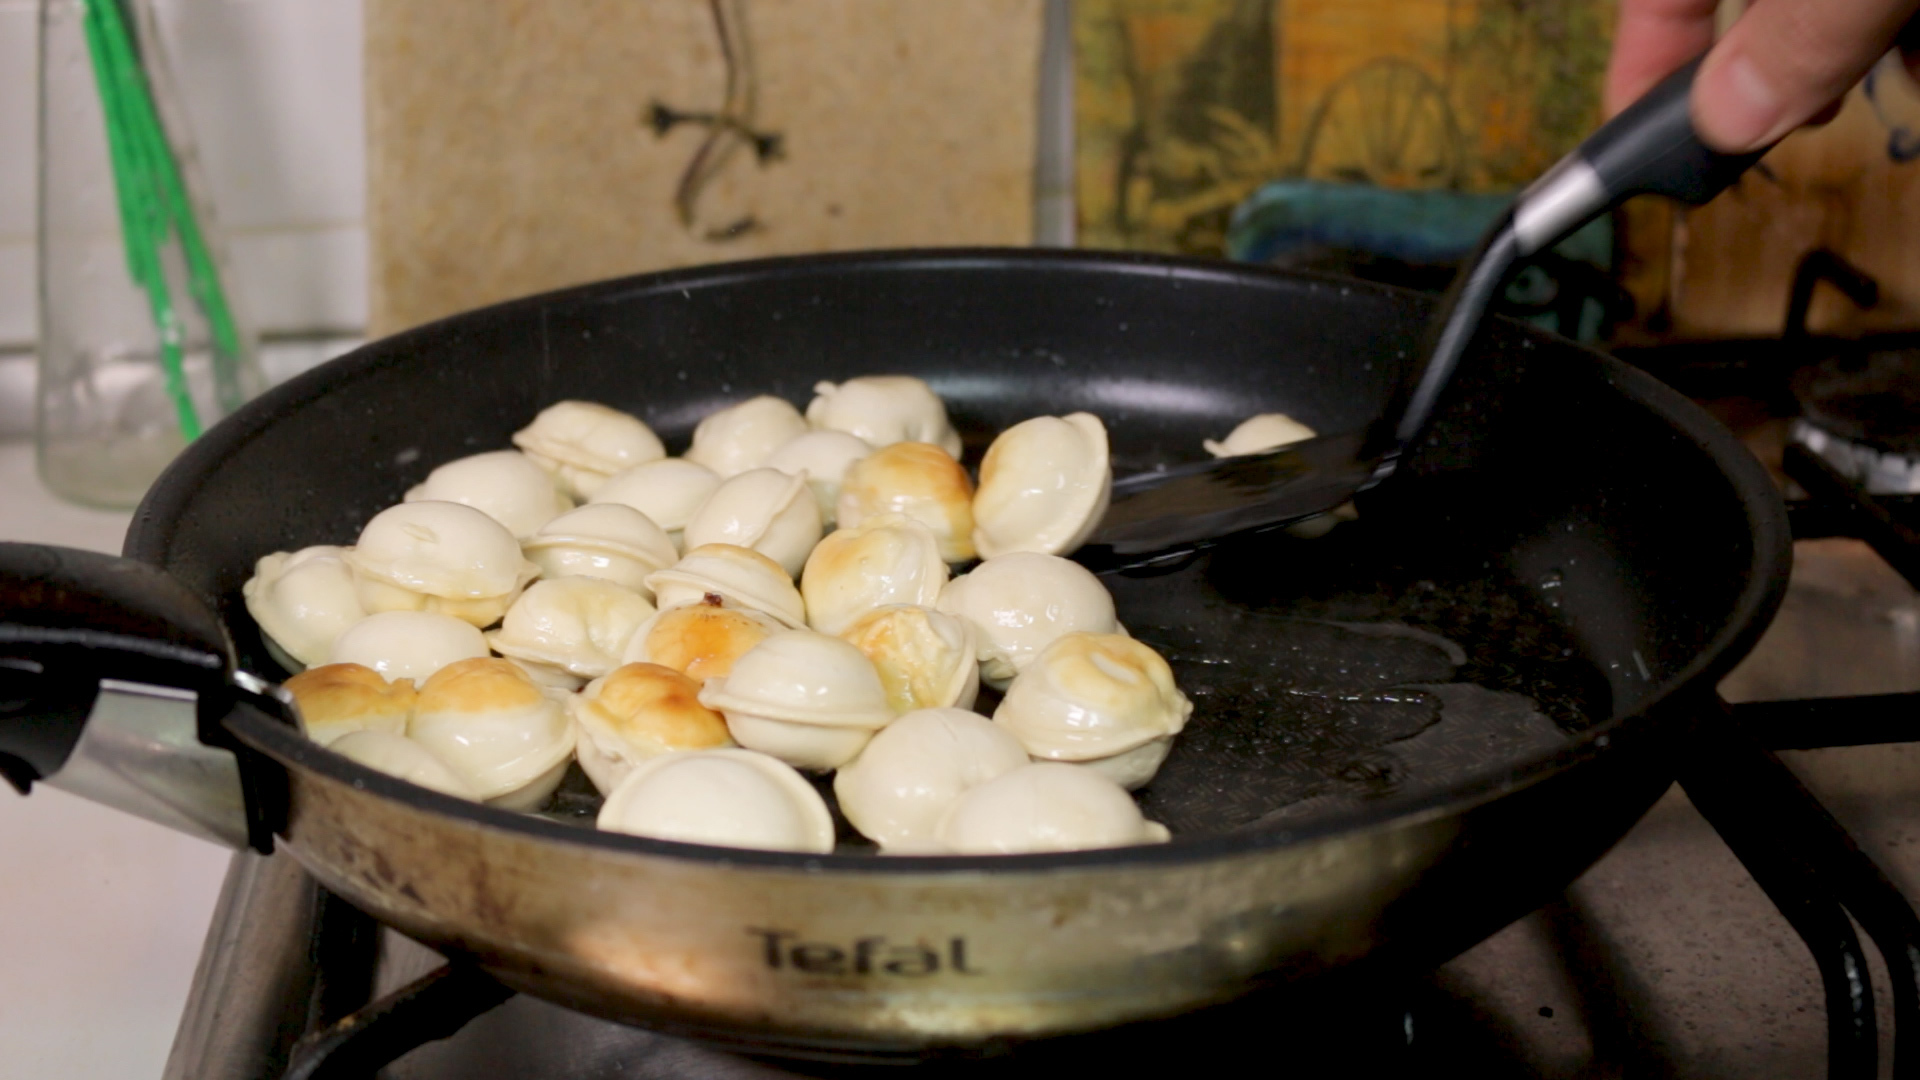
700, 640
640, 711
335, 699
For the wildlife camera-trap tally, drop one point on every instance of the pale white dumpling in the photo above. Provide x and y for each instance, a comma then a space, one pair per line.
668, 491
582, 444
403, 759
496, 730
1258, 434
764, 509
1045, 806
408, 644
917, 767
920, 481
1132, 769
808, 699
637, 712
1044, 485
302, 601
925, 658
505, 485
578, 625
739, 576
882, 410
336, 699
1019, 604
886, 560
744, 436
823, 456
1091, 698
603, 540
441, 557
700, 640
727, 798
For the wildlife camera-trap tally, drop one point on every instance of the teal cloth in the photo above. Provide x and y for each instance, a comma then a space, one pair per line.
1420, 227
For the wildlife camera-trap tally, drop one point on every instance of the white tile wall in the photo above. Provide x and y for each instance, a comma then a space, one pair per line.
272, 90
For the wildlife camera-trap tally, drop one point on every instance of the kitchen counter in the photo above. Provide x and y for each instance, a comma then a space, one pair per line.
101, 914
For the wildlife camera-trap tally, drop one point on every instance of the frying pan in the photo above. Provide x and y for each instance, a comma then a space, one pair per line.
1408, 732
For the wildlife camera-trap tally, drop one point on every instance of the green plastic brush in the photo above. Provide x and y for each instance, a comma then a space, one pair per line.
154, 209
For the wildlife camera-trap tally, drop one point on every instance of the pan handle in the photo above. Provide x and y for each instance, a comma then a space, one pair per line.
114, 681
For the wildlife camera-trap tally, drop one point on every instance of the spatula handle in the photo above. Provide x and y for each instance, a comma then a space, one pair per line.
1649, 149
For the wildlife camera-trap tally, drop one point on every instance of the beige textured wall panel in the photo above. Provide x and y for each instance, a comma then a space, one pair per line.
1835, 187
511, 148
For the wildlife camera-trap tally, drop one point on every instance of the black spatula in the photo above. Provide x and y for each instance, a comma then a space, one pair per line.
1650, 148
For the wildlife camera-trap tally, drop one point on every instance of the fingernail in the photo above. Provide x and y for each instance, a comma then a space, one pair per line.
1737, 108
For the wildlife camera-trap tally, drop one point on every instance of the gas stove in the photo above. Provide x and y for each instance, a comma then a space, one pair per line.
1727, 935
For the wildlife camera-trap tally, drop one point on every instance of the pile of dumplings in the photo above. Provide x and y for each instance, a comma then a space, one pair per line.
698, 631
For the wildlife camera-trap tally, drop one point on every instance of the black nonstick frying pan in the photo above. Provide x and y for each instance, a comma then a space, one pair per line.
1408, 732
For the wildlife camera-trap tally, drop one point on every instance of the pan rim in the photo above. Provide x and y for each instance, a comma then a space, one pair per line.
150, 538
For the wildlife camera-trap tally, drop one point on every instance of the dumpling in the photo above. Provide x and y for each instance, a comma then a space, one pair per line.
763, 509
582, 444
637, 712
744, 436
883, 410
1044, 486
505, 485
727, 798
408, 644
302, 602
403, 759
823, 456
576, 625
808, 699
603, 540
1020, 603
496, 730
885, 560
1097, 699
920, 481
1045, 806
702, 640
1258, 434
897, 789
739, 576
667, 491
441, 557
335, 699
925, 658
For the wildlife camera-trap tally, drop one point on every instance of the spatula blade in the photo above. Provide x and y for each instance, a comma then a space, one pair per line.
1181, 506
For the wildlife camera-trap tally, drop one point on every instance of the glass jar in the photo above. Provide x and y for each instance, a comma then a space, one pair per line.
142, 340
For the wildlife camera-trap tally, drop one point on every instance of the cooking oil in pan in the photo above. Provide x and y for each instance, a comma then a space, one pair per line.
1348, 669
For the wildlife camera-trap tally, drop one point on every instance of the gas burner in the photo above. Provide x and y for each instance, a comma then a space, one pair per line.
1861, 412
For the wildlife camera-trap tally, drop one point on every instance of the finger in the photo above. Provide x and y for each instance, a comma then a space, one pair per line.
1785, 60
1650, 39
1825, 116
1909, 45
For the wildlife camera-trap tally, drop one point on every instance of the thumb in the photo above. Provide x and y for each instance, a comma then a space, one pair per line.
1785, 61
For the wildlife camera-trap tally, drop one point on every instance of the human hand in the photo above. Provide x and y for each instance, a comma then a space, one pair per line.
1782, 64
